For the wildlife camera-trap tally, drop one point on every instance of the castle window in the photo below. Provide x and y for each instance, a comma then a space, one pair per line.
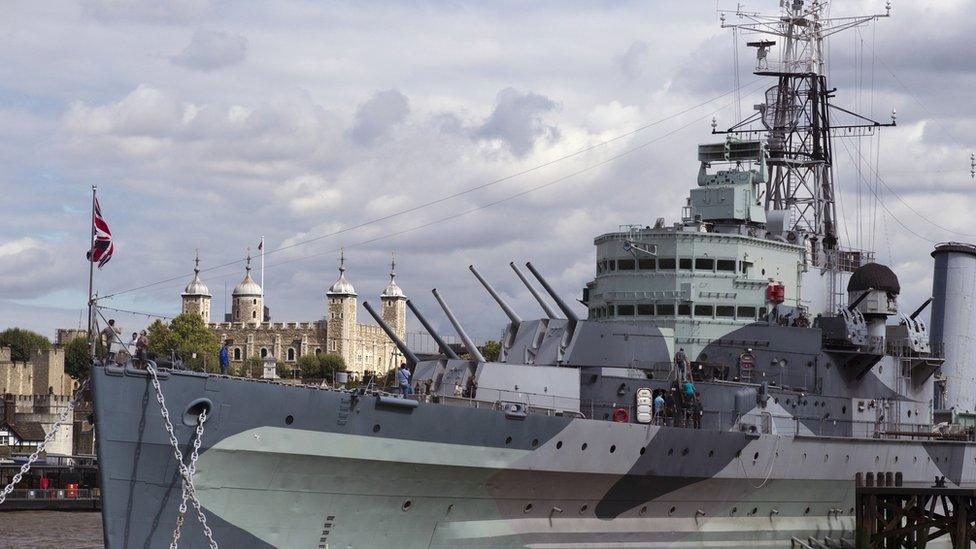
255, 301
237, 353
291, 354
264, 352
318, 351
254, 314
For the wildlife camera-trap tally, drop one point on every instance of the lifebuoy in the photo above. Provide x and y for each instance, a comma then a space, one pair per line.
621, 415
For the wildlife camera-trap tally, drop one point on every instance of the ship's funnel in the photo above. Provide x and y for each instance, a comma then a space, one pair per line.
441, 344
953, 324
542, 302
468, 343
498, 299
552, 293
407, 353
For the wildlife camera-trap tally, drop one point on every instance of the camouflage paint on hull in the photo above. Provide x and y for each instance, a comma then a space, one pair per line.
342, 470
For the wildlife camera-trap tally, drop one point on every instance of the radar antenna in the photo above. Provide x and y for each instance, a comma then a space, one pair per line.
795, 120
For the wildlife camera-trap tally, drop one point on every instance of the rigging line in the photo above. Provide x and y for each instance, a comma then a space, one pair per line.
450, 196
882, 204
913, 210
920, 103
137, 313
510, 197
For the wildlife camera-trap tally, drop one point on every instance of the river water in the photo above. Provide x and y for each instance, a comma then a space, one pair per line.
79, 530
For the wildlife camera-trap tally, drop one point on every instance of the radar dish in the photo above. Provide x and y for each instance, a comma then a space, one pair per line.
781, 112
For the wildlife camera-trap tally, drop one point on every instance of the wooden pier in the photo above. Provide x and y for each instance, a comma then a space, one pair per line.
911, 516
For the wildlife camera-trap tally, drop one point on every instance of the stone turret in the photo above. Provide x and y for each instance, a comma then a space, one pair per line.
341, 317
394, 308
248, 300
196, 295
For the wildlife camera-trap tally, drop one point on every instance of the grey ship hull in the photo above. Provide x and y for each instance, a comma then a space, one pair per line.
349, 471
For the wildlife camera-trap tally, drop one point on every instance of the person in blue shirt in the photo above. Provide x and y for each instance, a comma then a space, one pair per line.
224, 359
403, 380
659, 407
689, 389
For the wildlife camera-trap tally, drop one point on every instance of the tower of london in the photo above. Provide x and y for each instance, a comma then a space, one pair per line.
250, 333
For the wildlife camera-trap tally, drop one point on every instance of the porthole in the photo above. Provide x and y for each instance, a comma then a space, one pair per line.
754, 511
406, 505
508, 440
672, 510
289, 420
877, 459
851, 511
376, 428
583, 447
804, 456
806, 511
755, 456
643, 449
559, 444
583, 508
449, 509
613, 448
643, 509
826, 457
671, 451
527, 508
734, 510
843, 410
915, 459
896, 459
535, 442
684, 452
711, 453
776, 400
847, 458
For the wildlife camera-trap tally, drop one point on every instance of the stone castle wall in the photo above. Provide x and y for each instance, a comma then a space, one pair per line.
44, 374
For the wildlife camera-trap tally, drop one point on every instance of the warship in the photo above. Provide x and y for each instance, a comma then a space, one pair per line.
807, 376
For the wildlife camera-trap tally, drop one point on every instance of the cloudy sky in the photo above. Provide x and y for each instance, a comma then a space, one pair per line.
207, 124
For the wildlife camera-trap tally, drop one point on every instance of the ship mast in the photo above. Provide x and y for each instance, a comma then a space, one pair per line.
795, 121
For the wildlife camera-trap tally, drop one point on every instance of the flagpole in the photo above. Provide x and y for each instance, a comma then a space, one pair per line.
263, 289
91, 277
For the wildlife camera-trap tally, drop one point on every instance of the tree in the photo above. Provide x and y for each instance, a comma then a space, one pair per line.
190, 337
253, 367
490, 350
22, 343
77, 360
330, 364
310, 366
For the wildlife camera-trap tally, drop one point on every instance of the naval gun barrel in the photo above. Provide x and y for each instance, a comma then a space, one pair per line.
498, 299
920, 308
858, 301
407, 353
545, 306
441, 344
468, 343
555, 297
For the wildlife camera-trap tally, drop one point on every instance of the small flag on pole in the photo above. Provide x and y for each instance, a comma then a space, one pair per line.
261, 245
102, 246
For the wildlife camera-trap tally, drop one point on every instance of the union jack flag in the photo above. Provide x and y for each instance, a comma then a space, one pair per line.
102, 246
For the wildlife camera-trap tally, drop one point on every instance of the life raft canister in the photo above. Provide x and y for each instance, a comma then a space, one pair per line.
621, 415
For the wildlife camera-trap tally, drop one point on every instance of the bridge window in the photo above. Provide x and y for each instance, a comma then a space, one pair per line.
625, 310
727, 265
645, 264
684, 263
684, 309
703, 310
645, 309
762, 312
665, 264
626, 264
665, 309
704, 264
612, 264
745, 266
725, 311
747, 312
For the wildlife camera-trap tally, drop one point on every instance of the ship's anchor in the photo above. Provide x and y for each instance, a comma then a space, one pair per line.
186, 470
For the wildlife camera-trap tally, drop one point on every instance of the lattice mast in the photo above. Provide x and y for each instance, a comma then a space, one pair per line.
795, 120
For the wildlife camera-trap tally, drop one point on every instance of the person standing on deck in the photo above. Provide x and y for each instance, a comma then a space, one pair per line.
659, 408
403, 380
681, 363
224, 359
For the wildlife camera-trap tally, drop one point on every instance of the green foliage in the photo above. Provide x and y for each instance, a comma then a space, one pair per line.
490, 350
331, 364
77, 360
186, 334
22, 343
310, 366
253, 367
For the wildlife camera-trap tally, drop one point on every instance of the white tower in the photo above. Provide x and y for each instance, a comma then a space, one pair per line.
248, 299
341, 319
394, 304
196, 295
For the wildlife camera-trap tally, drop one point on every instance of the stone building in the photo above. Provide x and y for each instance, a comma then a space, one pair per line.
364, 347
43, 374
34, 394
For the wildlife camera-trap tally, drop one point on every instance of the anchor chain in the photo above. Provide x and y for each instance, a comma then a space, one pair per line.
62, 417
186, 470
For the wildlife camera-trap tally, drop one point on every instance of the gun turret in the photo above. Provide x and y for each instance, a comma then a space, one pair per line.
920, 308
552, 293
468, 343
858, 301
407, 353
545, 306
498, 299
441, 344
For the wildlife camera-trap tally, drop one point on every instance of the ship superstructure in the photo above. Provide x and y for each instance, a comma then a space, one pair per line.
558, 443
